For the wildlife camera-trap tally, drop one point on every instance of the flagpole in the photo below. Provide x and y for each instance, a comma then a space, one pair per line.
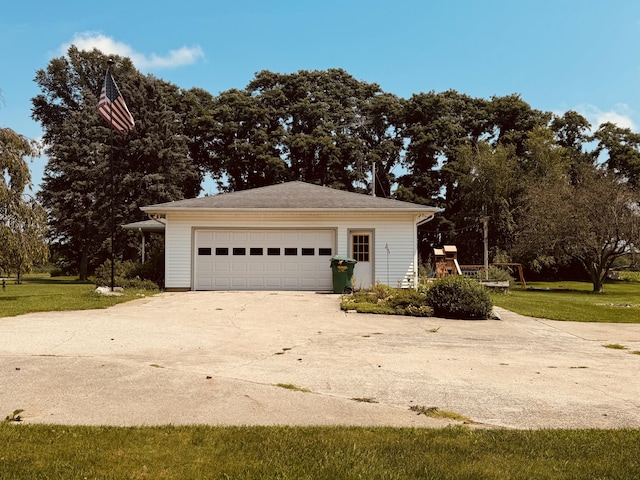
111, 191
120, 119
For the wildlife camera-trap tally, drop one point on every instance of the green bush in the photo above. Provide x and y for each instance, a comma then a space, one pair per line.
458, 297
387, 300
379, 308
403, 298
627, 276
125, 276
496, 274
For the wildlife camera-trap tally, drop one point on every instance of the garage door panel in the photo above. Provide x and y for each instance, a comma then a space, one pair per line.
206, 268
221, 237
239, 238
256, 282
263, 259
257, 238
237, 267
221, 268
238, 282
307, 267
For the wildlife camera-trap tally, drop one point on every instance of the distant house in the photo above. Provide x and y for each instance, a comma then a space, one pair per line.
282, 237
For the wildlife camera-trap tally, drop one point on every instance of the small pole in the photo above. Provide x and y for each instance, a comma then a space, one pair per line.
373, 178
485, 224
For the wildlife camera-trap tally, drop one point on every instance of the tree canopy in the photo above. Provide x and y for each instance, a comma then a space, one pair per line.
23, 222
592, 218
472, 157
152, 164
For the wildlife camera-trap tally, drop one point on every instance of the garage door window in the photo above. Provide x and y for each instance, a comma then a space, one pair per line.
222, 251
273, 251
290, 251
239, 251
324, 252
308, 252
204, 251
255, 251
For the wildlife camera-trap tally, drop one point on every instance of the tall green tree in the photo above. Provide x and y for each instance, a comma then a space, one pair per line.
453, 140
382, 135
590, 217
247, 141
151, 164
200, 126
488, 185
322, 127
436, 124
23, 222
623, 149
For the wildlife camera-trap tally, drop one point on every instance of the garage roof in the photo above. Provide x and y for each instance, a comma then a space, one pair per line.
290, 196
145, 226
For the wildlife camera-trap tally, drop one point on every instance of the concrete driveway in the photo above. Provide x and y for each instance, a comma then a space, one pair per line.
218, 358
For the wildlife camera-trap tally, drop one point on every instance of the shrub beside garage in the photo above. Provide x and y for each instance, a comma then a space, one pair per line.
448, 297
458, 297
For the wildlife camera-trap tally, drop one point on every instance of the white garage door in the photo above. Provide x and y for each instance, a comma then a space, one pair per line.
263, 259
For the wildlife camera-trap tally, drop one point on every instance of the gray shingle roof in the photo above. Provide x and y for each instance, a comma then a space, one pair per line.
290, 196
145, 226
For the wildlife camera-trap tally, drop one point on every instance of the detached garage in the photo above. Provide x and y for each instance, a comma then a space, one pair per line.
282, 237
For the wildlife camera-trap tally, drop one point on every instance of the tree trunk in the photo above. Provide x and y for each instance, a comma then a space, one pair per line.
597, 278
84, 264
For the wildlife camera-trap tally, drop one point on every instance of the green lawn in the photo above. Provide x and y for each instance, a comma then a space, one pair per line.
44, 294
200, 452
30, 451
620, 303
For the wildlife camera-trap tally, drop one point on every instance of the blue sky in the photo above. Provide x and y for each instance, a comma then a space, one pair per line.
559, 55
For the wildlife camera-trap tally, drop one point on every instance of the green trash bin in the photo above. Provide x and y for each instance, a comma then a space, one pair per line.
342, 268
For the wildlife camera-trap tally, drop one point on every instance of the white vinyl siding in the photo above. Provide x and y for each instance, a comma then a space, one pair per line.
396, 230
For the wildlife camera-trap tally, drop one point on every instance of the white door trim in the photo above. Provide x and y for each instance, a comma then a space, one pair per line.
364, 271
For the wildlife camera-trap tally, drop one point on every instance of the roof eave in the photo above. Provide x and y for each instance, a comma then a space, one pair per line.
423, 209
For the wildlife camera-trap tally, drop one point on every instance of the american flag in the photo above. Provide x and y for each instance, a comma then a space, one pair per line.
112, 107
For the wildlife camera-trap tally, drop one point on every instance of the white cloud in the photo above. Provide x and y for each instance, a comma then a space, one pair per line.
107, 45
620, 114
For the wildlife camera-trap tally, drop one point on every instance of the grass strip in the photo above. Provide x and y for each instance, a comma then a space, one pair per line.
575, 301
50, 294
204, 452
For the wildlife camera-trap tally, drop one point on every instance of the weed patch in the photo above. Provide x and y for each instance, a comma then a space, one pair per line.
15, 416
365, 400
435, 412
291, 386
